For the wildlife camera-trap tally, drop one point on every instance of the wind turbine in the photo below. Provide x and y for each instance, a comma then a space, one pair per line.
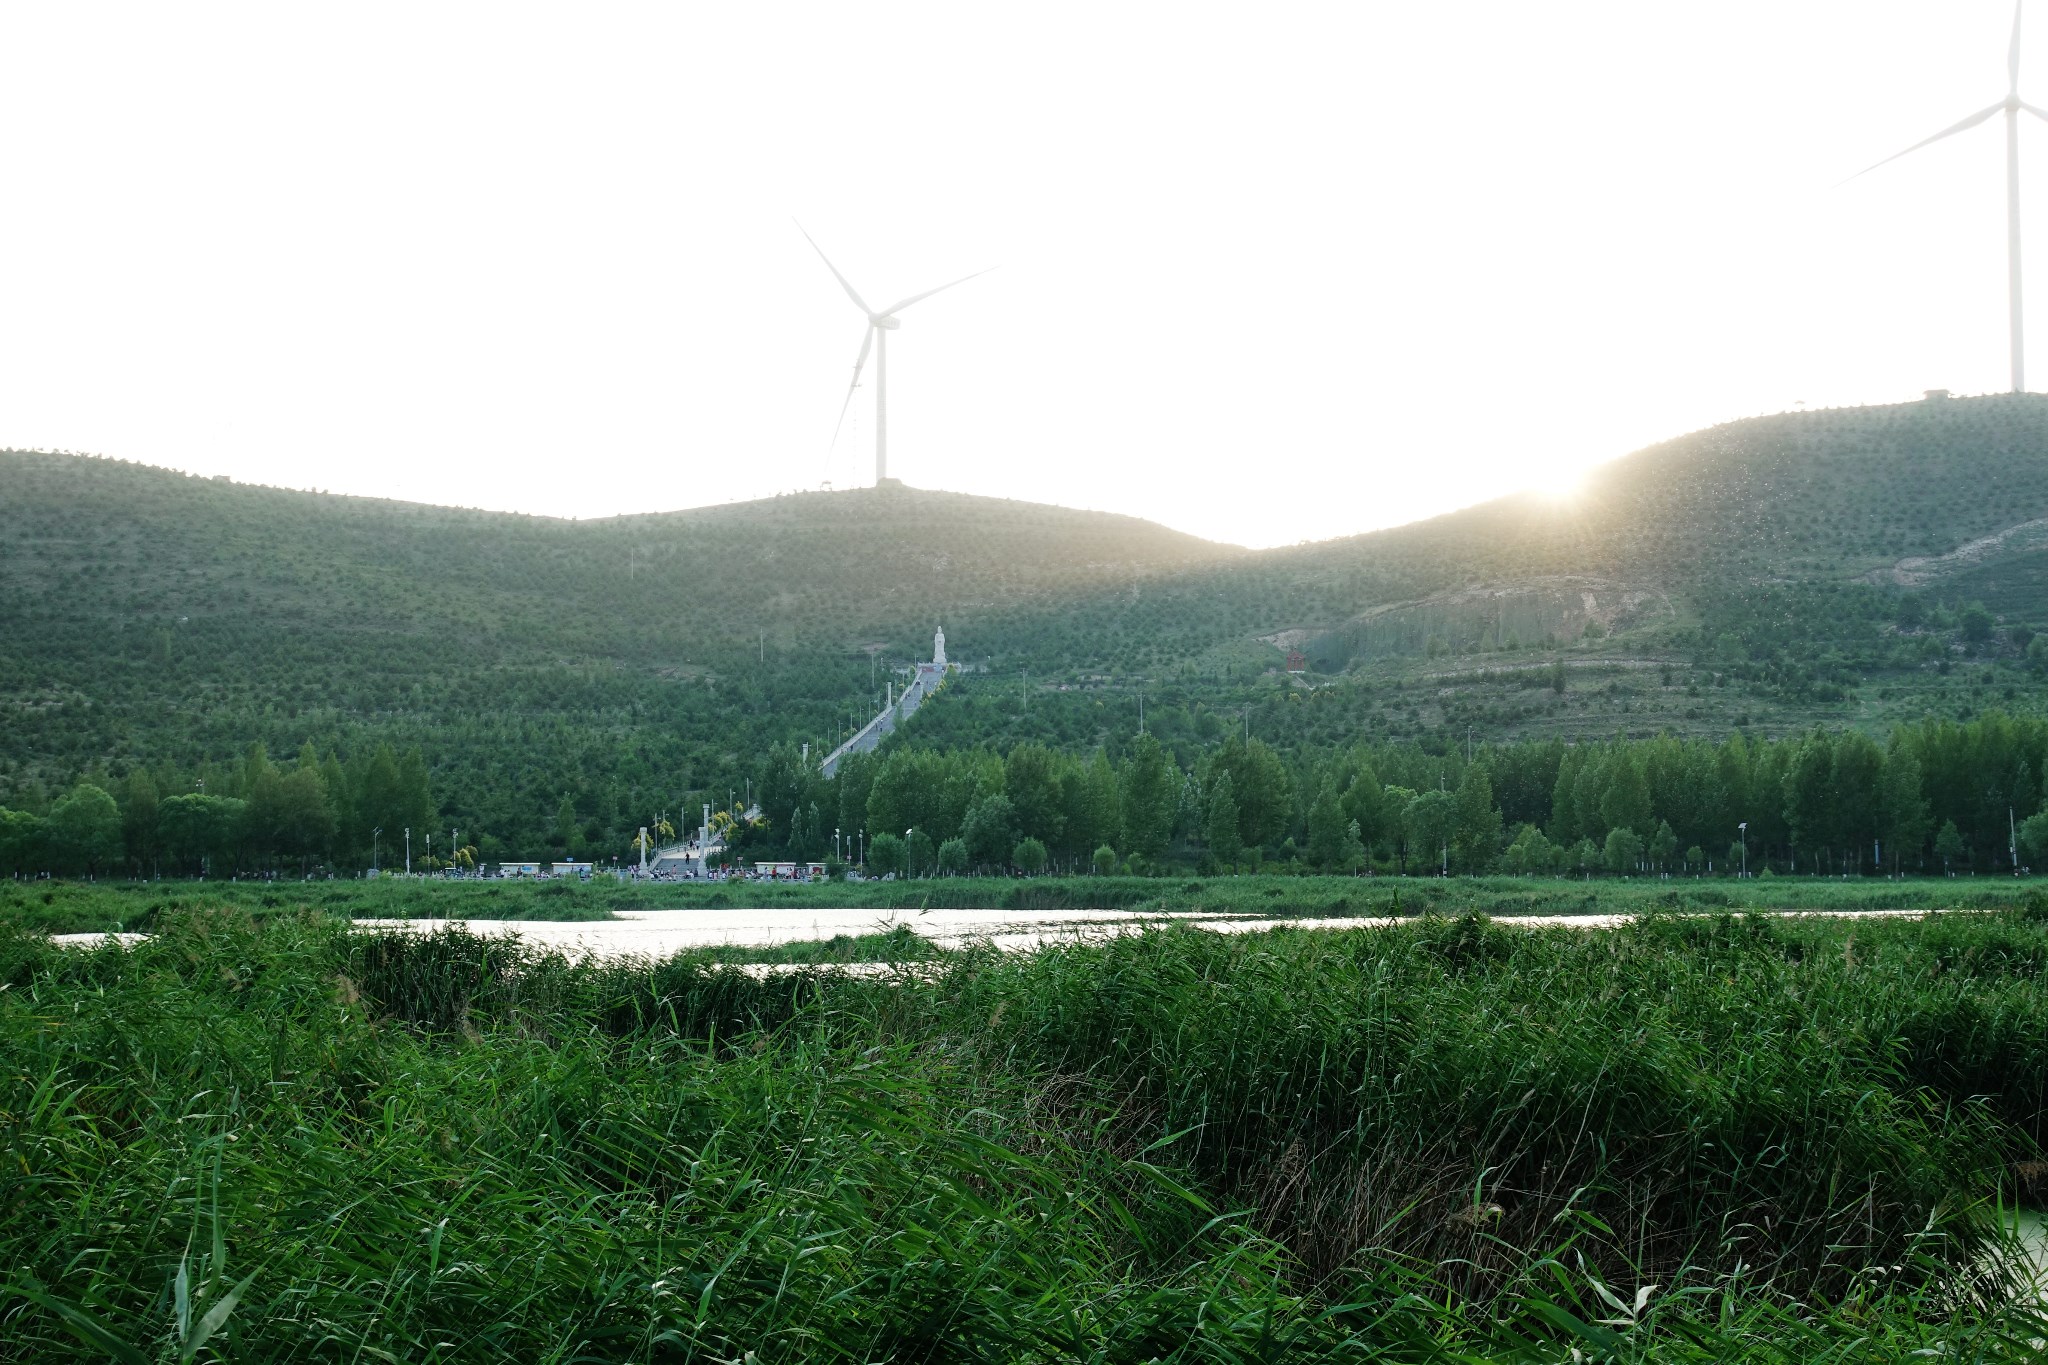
2010, 106
880, 323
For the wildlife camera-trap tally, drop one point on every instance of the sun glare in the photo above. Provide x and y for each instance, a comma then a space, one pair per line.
1563, 489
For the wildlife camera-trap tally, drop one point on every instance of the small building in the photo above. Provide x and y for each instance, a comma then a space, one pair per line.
1936, 395
1297, 662
572, 869
518, 869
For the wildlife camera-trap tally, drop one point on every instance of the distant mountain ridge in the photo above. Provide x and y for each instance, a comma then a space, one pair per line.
809, 565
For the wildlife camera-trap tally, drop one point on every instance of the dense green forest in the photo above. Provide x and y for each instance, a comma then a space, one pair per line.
563, 683
1940, 797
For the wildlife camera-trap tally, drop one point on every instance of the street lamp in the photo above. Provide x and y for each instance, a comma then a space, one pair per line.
375, 835
408, 850
1742, 833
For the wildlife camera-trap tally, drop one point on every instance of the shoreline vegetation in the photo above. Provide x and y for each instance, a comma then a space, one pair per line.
1717, 1138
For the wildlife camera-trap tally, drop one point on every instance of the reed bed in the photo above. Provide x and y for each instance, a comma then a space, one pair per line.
278, 1138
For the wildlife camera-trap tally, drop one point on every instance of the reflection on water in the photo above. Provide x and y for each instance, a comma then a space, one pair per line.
2030, 1234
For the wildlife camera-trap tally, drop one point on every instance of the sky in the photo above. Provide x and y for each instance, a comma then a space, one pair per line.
1266, 274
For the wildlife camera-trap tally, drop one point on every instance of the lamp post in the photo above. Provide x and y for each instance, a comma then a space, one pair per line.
1742, 834
375, 835
408, 850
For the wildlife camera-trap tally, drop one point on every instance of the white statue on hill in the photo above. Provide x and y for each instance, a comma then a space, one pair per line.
939, 648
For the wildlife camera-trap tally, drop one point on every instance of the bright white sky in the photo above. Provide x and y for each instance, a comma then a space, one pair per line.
1269, 273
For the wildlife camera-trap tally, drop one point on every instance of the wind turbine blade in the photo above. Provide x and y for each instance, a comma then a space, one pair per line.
2036, 110
866, 341
1962, 126
2012, 53
851, 292
899, 307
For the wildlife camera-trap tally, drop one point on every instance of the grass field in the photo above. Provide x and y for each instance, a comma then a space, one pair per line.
1693, 1139
80, 907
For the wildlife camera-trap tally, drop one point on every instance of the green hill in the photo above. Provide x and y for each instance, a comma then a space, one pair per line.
1806, 568
1835, 498
1824, 497
156, 617
1774, 573
103, 545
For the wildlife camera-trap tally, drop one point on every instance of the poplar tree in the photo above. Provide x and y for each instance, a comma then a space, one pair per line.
1150, 791
138, 817
1476, 833
84, 830
1220, 822
1326, 828
1903, 816
1625, 803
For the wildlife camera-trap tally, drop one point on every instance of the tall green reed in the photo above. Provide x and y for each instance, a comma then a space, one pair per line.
1178, 1148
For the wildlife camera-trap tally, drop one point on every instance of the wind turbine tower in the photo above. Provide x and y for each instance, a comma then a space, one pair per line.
880, 323
2010, 106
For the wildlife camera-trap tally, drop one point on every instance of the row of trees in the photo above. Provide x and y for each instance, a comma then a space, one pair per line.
1938, 795
248, 816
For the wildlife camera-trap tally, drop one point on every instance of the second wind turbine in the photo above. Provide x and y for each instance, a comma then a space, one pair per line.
2010, 106
881, 322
